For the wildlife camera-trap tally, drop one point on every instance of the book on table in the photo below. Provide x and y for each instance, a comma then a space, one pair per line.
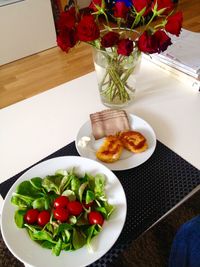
182, 59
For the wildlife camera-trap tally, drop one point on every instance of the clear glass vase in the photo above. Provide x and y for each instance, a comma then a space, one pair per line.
116, 75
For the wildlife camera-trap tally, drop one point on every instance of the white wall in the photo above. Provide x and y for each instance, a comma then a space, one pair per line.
26, 28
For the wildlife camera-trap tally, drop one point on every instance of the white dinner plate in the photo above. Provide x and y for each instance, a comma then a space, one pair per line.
128, 159
29, 252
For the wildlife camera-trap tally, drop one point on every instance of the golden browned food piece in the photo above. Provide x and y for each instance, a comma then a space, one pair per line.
111, 149
133, 141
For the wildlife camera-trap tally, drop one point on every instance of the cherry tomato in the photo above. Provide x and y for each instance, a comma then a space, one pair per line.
31, 216
95, 217
61, 202
61, 214
88, 204
43, 218
75, 208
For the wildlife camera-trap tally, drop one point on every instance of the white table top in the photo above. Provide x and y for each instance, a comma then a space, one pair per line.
34, 128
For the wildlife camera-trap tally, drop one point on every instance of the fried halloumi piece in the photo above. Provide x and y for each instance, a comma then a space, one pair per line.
133, 141
111, 149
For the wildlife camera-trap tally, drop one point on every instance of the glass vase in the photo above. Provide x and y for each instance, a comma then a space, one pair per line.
116, 75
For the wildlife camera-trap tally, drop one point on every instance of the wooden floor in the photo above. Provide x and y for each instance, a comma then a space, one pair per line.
34, 74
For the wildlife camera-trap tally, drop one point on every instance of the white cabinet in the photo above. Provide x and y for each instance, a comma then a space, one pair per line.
26, 27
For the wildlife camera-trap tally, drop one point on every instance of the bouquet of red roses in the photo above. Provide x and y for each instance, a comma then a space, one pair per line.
74, 27
156, 18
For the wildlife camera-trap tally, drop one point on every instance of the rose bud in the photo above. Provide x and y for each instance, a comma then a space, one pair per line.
110, 39
125, 47
163, 40
147, 43
174, 23
87, 29
120, 10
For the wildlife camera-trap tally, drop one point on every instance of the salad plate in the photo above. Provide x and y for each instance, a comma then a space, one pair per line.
31, 253
87, 146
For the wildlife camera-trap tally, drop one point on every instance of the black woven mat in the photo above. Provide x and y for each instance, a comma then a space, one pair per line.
152, 189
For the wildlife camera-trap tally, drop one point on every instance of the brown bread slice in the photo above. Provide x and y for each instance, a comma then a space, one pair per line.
109, 122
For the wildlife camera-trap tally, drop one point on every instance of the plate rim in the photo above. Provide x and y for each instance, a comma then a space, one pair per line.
22, 178
113, 166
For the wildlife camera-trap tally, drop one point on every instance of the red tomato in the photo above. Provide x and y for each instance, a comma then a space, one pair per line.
61, 202
95, 217
75, 208
31, 216
61, 214
43, 218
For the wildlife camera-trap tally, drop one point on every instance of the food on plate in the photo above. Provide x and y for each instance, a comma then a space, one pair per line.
43, 217
95, 217
113, 145
111, 149
109, 122
114, 127
63, 211
133, 141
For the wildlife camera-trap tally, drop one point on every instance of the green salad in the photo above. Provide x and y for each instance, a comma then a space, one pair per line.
63, 211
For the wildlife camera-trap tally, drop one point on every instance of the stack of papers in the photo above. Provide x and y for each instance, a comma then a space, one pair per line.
182, 58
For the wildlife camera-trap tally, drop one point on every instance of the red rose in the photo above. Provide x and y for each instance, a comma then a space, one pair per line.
110, 39
140, 4
156, 43
168, 4
87, 29
67, 39
147, 43
174, 23
95, 3
120, 10
67, 19
125, 47
162, 39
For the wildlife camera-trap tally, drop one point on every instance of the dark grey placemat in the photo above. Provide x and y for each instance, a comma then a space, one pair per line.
152, 189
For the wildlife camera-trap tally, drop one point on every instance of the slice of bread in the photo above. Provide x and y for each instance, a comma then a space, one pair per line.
109, 122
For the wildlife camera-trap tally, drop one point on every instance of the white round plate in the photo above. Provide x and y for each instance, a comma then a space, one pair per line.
128, 159
29, 252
